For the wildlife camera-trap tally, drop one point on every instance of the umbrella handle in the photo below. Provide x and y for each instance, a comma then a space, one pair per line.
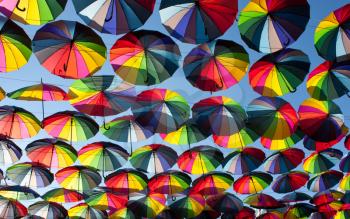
292, 90
105, 127
111, 14
173, 198
17, 6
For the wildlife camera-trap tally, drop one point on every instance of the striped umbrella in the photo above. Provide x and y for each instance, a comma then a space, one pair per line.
10, 208
126, 181
252, 182
225, 202
244, 137
289, 182
46, 209
284, 161
295, 197
83, 210
322, 161
284, 143
345, 183
147, 204
326, 196
169, 182
263, 201
188, 205
9, 152
300, 210
18, 193
104, 198
212, 183
324, 181
61, 195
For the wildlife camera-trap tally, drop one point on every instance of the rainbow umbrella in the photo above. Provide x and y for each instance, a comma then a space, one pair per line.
252, 182
320, 120
225, 202
284, 143
200, 160
114, 17
272, 117
104, 156
295, 197
106, 199
147, 204
279, 73
145, 57
154, 158
169, 182
271, 215
343, 214
34, 12
326, 196
126, 181
283, 161
161, 110
221, 115
271, 25
46, 209
319, 162
70, 126
61, 195
324, 181
243, 161
123, 213
189, 205
300, 210
212, 183
15, 45
84, 211
18, 193
30, 175
244, 137
330, 208
217, 65
345, 183
51, 153
331, 35
197, 22
79, 178
18, 123
262, 201
75, 51
344, 164
9, 152
245, 212
289, 182
10, 208
329, 80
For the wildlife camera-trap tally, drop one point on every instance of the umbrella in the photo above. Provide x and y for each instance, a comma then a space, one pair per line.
126, 181
221, 115
295, 197
114, 17
269, 26
79, 178
272, 117
243, 161
169, 182
69, 49
200, 160
331, 35
284, 143
330, 209
18, 123
212, 183
84, 211
51, 153
161, 110
283, 161
342, 214
289, 182
15, 44
326, 196
318, 162
10, 208
252, 182
324, 181
35, 12
262, 201
300, 210
271, 215
197, 22
217, 65
18, 193
46, 209
320, 120
208, 213
29, 174
123, 213
245, 212
225, 202
244, 137
345, 183
62, 195
9, 152
154, 158
145, 57
344, 164
188, 205
106, 199
147, 204
70, 126
279, 73
329, 80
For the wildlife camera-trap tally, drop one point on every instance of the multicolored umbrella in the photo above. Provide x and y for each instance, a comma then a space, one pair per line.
243, 161
331, 35
320, 120
61, 195
263, 201
345, 183
75, 51
79, 178
212, 183
70, 126
244, 137
289, 182
145, 57
126, 181
295, 197
284, 161
273, 118
284, 143
271, 25
252, 182
271, 215
342, 214
217, 65
300, 210
225, 202
154, 158
221, 115
83, 210
9, 152
122, 213
326, 196
18, 123
169, 182
324, 181
18, 193
39, 92
322, 161
114, 17
51, 153
188, 205
161, 110
279, 73
46, 209
197, 21
10, 208
200, 160
29, 174
147, 204
15, 45
106, 199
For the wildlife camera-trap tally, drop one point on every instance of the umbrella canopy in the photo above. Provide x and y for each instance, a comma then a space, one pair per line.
197, 22
18, 193
126, 181
217, 65
18, 123
84, 211
342, 214
252, 182
169, 182
9, 152
225, 202
106, 199
200, 160
61, 195
319, 162
10, 208
147, 204
51, 153
295, 197
344, 164
320, 120
188, 205
289, 182
114, 17
279, 73
70, 126
284, 143
79, 178
326, 196
29, 174
262, 201
300, 210
283, 161
244, 137
145, 57
15, 45
221, 115
161, 110
69, 49
212, 183
102, 95
39, 92
46, 209
324, 181
345, 183
271, 25
122, 213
